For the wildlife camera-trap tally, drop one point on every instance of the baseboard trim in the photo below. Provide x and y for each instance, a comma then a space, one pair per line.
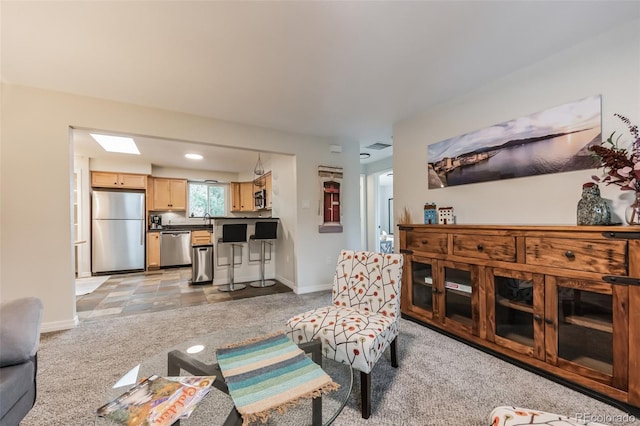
312, 289
286, 282
240, 279
50, 326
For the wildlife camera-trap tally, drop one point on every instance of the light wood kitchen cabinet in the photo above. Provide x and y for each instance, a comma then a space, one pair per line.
247, 203
149, 197
243, 193
268, 193
118, 180
561, 299
242, 197
264, 183
200, 237
153, 250
169, 194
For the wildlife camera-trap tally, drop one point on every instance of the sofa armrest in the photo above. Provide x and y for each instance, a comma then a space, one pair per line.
20, 322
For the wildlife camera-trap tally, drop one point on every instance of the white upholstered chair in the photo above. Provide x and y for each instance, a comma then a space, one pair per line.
363, 318
515, 416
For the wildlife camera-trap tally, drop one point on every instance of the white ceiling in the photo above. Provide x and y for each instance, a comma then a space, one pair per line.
170, 153
343, 69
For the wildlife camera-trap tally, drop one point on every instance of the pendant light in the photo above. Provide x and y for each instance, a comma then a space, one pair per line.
259, 169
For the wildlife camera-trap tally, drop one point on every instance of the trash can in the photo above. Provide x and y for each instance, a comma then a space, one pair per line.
202, 264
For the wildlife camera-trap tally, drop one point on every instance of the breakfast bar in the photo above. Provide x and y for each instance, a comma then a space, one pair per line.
247, 260
248, 265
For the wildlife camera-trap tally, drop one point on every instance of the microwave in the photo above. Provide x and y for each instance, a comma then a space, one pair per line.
260, 198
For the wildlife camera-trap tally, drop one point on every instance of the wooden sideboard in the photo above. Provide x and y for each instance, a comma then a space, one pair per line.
562, 299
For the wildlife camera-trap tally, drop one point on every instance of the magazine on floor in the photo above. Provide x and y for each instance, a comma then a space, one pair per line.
157, 400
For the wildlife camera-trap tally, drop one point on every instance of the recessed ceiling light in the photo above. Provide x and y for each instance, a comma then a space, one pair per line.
119, 144
193, 156
364, 155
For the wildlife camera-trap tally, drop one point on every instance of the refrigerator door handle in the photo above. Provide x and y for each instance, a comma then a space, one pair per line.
142, 233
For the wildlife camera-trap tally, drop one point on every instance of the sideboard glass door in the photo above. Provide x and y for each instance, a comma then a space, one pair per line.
516, 301
422, 286
459, 297
590, 337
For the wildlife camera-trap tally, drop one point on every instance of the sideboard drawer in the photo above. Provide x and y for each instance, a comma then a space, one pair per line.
428, 242
490, 247
605, 257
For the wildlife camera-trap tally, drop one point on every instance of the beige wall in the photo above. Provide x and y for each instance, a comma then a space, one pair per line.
283, 182
608, 65
36, 251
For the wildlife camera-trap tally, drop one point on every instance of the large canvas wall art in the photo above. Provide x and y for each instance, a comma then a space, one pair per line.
552, 141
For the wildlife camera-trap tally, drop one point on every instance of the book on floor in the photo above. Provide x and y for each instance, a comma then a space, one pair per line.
157, 400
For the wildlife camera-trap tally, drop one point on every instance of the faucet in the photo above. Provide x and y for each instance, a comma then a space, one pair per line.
207, 218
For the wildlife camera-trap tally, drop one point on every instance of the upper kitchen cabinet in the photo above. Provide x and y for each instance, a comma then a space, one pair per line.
169, 194
242, 197
118, 180
264, 183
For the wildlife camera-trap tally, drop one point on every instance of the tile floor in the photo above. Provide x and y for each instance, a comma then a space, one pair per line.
130, 294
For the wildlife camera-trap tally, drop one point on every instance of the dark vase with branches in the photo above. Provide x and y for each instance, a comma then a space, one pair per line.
622, 167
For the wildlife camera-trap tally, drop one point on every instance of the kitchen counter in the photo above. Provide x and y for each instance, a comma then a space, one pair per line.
184, 227
245, 218
196, 227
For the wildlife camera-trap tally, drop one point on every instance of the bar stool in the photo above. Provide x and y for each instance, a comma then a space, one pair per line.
233, 234
264, 231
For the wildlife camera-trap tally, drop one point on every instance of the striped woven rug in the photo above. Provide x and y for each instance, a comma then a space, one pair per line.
270, 374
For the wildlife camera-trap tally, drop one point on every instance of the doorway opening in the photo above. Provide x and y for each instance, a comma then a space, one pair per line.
384, 211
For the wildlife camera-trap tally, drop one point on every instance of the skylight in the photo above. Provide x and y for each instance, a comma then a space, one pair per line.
119, 144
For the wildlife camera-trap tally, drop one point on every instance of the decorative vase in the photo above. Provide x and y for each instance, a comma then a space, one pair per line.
592, 209
632, 213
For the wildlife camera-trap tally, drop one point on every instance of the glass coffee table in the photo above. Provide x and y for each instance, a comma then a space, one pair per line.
197, 356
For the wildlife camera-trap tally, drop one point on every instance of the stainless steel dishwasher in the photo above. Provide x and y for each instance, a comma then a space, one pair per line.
175, 248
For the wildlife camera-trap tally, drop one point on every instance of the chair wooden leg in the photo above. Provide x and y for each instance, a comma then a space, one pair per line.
394, 353
365, 390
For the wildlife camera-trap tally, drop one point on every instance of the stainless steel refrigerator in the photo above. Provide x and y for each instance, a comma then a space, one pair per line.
117, 231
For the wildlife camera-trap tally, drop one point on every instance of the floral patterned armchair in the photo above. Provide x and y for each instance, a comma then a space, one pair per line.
363, 318
515, 416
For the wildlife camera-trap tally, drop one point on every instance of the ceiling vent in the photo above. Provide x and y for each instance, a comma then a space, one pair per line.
378, 146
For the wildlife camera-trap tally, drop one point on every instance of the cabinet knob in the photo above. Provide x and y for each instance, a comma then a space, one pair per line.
570, 255
537, 317
548, 320
480, 247
424, 241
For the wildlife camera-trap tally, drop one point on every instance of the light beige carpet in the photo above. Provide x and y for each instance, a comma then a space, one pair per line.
440, 381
